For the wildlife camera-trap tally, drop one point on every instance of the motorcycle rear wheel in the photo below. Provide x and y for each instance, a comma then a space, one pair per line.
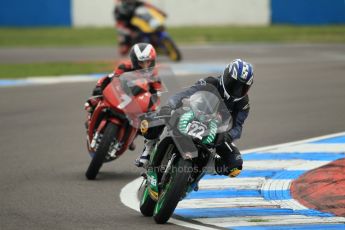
172, 51
97, 161
175, 189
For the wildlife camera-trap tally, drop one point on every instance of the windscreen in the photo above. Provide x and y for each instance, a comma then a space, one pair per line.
140, 92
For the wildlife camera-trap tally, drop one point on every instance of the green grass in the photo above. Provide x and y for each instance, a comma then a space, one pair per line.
326, 34
43, 37
10, 37
53, 69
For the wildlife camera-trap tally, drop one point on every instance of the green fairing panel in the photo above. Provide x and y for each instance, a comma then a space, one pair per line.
187, 117
212, 134
184, 121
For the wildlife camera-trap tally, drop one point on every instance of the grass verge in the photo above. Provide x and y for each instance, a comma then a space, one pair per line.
14, 37
8, 71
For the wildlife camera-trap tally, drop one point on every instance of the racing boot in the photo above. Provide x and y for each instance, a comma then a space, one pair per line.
132, 146
143, 159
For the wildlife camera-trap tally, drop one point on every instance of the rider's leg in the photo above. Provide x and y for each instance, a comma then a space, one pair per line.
143, 159
230, 161
151, 139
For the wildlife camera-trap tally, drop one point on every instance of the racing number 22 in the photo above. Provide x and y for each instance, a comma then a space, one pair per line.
196, 130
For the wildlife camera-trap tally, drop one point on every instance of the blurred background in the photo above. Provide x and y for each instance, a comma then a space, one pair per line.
79, 13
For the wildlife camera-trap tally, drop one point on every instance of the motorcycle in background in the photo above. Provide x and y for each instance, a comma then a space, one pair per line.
150, 23
184, 154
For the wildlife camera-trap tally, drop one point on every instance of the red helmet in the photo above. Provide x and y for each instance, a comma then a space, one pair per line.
142, 56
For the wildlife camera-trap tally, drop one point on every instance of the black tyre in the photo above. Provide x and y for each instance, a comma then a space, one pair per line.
172, 51
147, 204
96, 163
174, 190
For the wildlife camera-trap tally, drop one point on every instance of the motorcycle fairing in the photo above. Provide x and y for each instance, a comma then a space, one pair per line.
147, 19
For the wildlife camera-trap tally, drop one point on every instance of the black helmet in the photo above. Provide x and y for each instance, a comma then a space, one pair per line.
142, 56
127, 7
237, 79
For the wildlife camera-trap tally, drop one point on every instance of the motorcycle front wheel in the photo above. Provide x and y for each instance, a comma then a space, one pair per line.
98, 159
173, 191
147, 204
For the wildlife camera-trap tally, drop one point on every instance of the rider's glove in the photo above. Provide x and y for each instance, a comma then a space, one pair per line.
174, 104
88, 107
97, 91
228, 138
165, 111
222, 138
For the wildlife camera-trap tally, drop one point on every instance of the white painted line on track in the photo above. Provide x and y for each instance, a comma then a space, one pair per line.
310, 148
226, 202
129, 197
283, 164
288, 144
227, 183
268, 220
47, 80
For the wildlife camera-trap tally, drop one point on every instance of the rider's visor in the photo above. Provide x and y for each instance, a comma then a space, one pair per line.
145, 64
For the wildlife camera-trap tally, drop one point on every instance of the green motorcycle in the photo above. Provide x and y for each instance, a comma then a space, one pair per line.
183, 155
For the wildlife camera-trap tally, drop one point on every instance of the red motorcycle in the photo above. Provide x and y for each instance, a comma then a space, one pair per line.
115, 121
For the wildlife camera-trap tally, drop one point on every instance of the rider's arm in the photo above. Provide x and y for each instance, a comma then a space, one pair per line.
104, 81
239, 117
119, 70
155, 82
122, 28
101, 84
155, 8
175, 100
123, 67
155, 87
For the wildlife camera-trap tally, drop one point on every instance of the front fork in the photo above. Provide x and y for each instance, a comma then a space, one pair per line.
167, 170
152, 178
96, 137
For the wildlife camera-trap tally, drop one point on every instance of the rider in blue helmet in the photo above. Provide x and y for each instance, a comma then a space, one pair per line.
233, 86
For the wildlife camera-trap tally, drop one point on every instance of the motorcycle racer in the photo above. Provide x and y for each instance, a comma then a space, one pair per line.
233, 86
142, 57
123, 12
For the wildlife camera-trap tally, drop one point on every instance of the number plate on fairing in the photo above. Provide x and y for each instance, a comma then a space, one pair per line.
196, 129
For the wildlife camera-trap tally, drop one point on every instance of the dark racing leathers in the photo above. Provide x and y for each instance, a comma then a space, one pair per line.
230, 161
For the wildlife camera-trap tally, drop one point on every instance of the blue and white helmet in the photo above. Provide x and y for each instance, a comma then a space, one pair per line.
237, 79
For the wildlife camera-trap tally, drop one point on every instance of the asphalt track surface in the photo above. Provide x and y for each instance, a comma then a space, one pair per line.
298, 93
